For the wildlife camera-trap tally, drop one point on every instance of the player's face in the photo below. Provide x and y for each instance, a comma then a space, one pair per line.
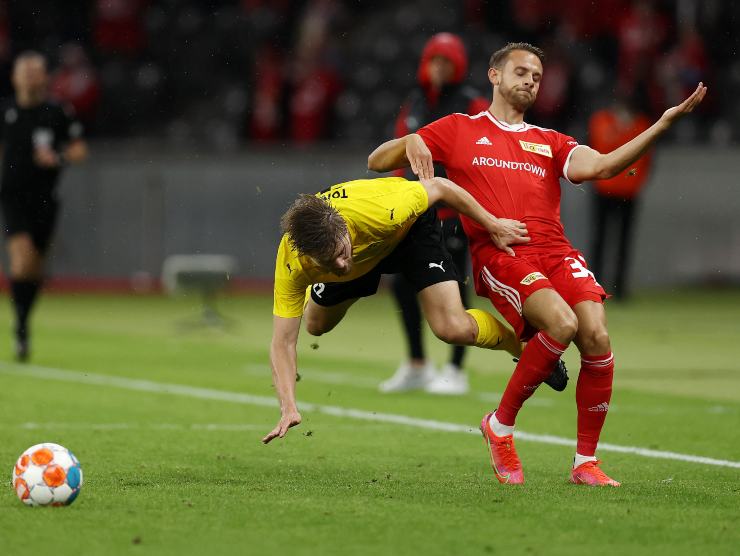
340, 264
519, 80
29, 75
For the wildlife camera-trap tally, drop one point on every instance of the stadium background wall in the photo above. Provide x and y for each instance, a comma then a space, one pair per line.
130, 207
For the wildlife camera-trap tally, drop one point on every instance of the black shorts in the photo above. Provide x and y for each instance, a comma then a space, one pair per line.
421, 257
36, 217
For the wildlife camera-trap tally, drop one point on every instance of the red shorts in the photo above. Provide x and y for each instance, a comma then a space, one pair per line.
508, 281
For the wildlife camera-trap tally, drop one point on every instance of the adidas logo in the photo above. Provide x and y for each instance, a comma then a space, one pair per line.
603, 407
483, 141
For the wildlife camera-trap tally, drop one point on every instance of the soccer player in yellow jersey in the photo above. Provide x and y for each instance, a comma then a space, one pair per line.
340, 241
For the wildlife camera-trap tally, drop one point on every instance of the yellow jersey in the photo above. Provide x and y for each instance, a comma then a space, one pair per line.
379, 213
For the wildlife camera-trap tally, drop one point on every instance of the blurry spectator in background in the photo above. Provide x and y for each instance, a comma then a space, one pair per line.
118, 26
38, 138
75, 83
616, 198
684, 64
314, 82
641, 33
441, 91
266, 120
294, 95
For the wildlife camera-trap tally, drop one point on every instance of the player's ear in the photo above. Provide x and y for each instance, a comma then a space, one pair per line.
494, 76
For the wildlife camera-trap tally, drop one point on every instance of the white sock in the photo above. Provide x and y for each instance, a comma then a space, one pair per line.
500, 429
579, 460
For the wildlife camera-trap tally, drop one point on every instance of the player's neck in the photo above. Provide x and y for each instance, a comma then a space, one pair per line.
505, 112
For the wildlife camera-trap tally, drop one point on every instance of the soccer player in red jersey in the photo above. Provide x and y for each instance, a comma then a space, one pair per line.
545, 290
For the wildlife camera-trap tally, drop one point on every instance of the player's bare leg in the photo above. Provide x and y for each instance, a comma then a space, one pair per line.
25, 271
320, 320
593, 392
26, 263
545, 310
451, 323
442, 307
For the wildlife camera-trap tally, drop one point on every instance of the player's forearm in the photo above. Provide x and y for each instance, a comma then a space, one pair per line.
618, 160
463, 202
391, 155
283, 360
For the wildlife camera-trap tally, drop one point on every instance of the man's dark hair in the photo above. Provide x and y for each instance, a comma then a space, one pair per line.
498, 58
314, 227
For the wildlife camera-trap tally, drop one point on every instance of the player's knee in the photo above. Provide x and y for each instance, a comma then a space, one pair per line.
564, 326
595, 341
22, 269
317, 327
454, 331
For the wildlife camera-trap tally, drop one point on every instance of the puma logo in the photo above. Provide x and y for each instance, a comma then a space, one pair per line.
392, 213
439, 266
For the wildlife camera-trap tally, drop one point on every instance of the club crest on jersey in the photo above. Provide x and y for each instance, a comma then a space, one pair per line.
536, 148
532, 277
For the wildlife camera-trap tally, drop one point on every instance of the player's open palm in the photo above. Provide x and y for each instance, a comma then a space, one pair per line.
288, 419
509, 232
687, 106
419, 157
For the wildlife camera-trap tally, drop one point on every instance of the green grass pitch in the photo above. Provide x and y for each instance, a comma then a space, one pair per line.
184, 472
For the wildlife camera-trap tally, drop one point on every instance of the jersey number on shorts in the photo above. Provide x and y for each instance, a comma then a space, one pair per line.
580, 271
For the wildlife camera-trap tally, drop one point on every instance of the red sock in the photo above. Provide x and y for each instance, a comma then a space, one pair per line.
593, 393
535, 365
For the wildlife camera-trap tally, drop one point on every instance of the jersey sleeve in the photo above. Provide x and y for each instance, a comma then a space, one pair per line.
413, 202
562, 151
440, 137
289, 294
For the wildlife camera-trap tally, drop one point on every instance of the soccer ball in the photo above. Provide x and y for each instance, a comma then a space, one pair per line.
47, 474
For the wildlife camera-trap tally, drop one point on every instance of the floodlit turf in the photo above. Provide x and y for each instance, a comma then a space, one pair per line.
169, 473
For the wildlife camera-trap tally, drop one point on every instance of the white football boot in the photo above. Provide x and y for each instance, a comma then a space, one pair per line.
451, 381
408, 377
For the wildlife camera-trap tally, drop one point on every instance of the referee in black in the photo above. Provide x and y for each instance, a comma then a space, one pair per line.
38, 138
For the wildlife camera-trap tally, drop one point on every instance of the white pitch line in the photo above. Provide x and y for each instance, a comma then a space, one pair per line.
140, 385
311, 374
137, 426
346, 379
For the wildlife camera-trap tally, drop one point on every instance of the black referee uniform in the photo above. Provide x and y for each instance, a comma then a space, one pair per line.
28, 191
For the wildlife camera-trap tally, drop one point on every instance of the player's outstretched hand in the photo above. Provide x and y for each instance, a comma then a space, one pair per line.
289, 419
687, 106
419, 157
508, 232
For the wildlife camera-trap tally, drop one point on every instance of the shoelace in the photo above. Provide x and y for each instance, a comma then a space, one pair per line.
508, 454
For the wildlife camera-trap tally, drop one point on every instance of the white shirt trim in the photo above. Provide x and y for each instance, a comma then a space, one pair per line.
567, 163
503, 125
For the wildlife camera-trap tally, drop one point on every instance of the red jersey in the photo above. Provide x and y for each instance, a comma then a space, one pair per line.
513, 171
